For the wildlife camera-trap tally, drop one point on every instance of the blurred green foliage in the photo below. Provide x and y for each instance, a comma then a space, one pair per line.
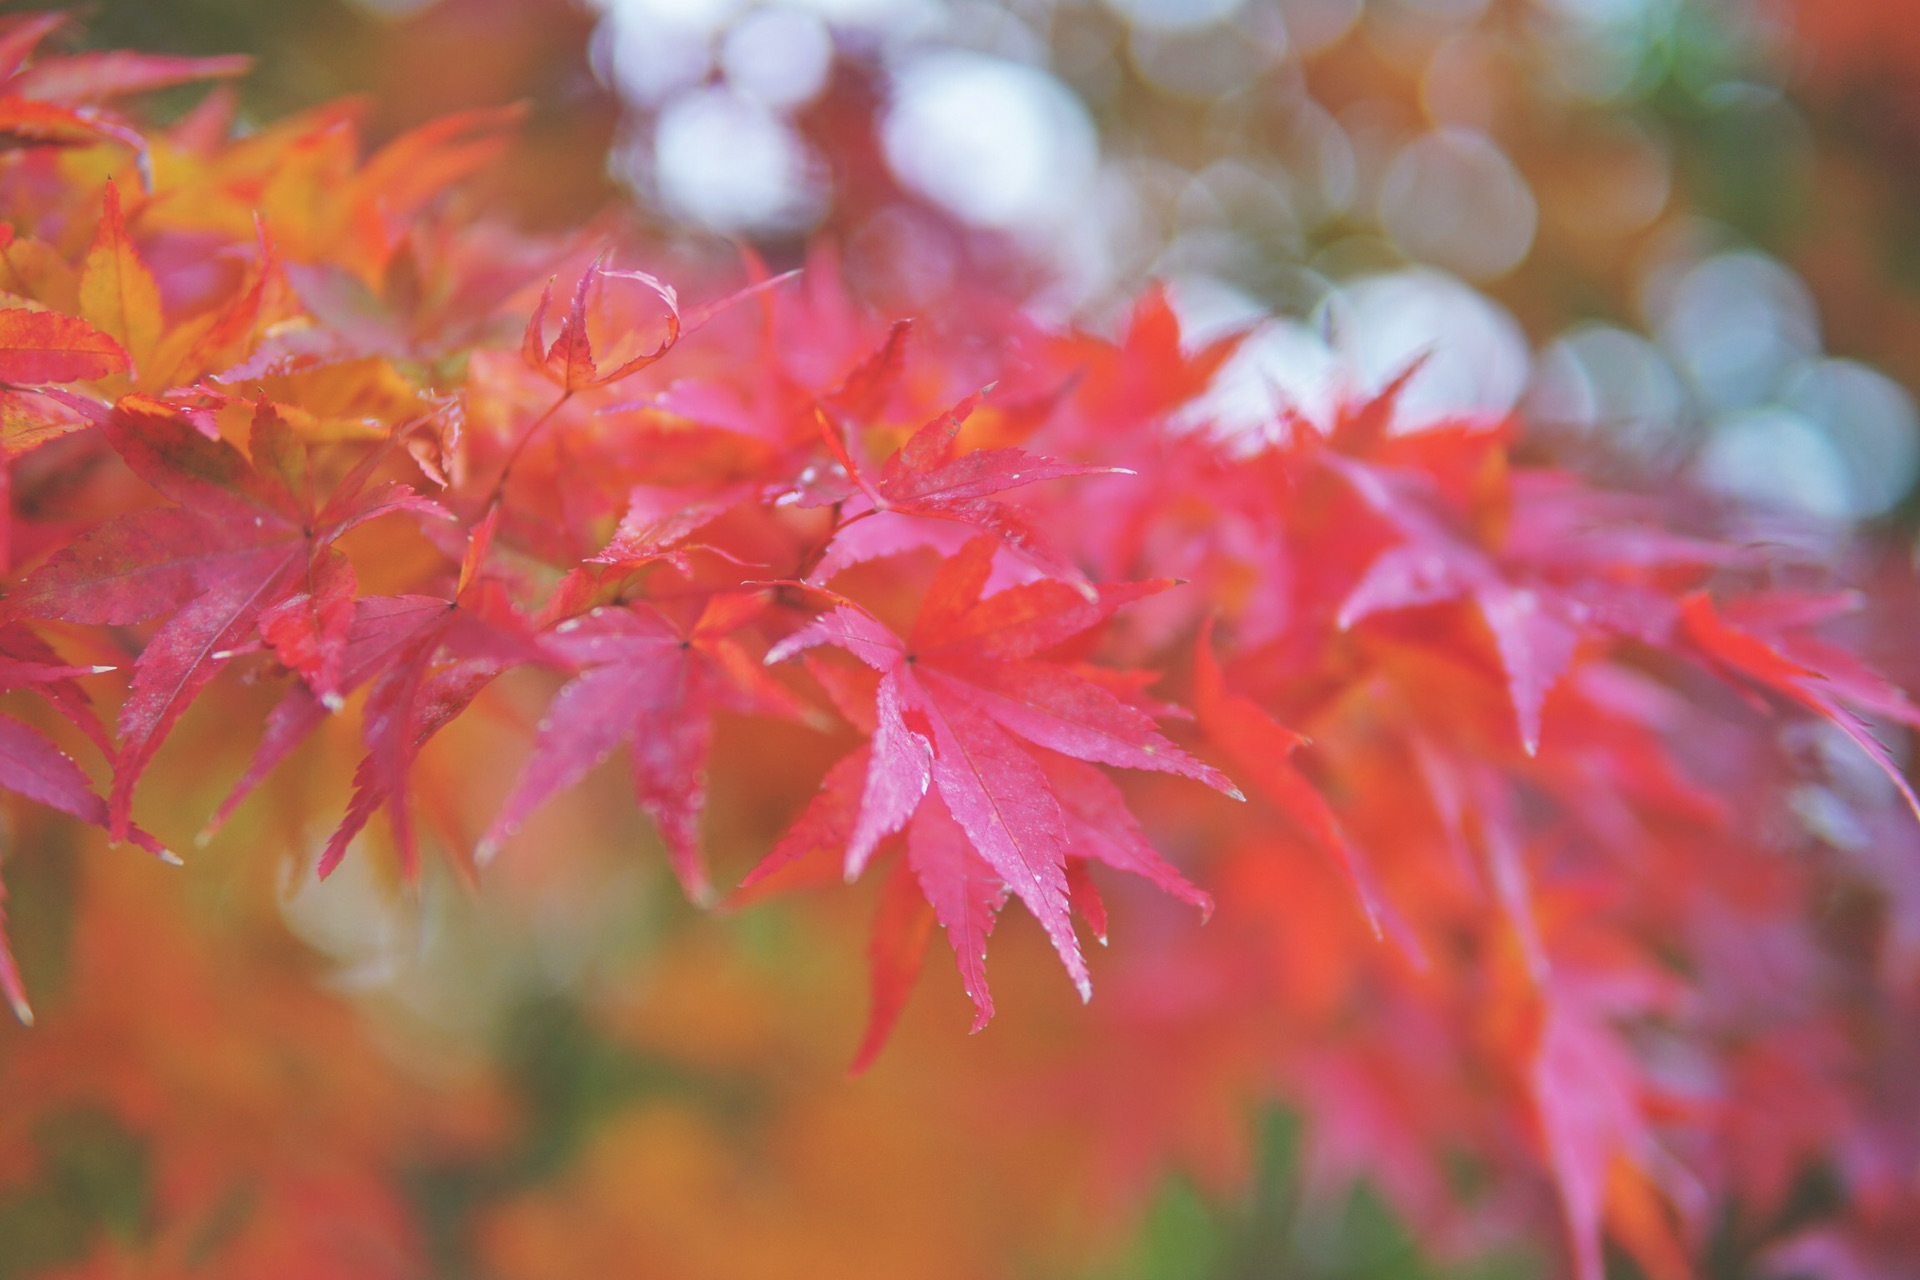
306, 49
1273, 1230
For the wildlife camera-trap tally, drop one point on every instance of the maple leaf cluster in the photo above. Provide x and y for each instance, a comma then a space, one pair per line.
1519, 796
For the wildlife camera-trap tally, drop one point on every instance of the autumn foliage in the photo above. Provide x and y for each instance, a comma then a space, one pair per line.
1557, 849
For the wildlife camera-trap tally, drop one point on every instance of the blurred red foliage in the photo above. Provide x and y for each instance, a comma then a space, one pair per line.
1572, 856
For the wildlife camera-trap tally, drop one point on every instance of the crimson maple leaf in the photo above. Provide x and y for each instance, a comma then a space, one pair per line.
27, 660
1128, 388
248, 541
862, 394
931, 476
569, 359
377, 637
647, 683
47, 346
1763, 639
1544, 560
53, 101
39, 347
1536, 631
955, 697
95, 76
1259, 748
33, 767
428, 673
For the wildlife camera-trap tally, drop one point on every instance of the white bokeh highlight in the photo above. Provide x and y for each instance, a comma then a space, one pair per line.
1777, 460
1476, 358
995, 143
780, 57
1452, 198
726, 160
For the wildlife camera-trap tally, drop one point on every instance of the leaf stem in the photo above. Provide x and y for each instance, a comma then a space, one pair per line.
506, 470
818, 552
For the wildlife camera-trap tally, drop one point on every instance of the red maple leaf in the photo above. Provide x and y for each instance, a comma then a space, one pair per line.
248, 536
644, 682
569, 359
46, 346
1260, 750
1764, 640
96, 76
932, 476
1128, 388
956, 697
31, 765
428, 673
54, 101
379, 634
1534, 630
